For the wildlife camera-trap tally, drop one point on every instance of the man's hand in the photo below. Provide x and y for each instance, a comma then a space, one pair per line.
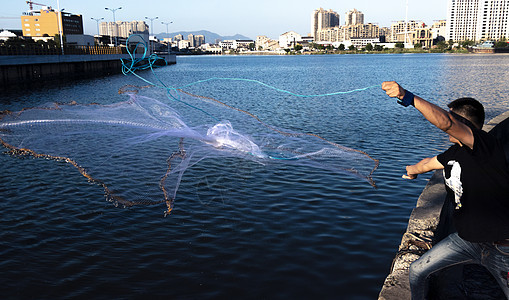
424, 166
410, 173
393, 89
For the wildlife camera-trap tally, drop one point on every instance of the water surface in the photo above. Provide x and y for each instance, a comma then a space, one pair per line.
239, 230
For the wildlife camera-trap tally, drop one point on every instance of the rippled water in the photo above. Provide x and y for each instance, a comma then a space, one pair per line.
238, 230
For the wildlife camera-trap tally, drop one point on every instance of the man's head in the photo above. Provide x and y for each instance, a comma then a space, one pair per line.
470, 109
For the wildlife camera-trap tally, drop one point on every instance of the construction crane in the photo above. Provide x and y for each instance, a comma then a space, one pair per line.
31, 3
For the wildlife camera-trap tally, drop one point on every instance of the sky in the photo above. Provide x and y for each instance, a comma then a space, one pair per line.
229, 17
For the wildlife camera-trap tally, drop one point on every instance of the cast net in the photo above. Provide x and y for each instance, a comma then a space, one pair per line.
114, 141
139, 149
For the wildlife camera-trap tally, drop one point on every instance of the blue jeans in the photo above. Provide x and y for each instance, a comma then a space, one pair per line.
454, 250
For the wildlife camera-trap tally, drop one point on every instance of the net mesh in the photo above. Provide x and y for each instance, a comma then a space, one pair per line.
115, 141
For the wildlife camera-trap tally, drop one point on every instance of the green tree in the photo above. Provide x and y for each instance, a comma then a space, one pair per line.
341, 47
442, 45
352, 47
379, 48
297, 47
399, 45
502, 43
467, 43
418, 46
369, 47
252, 46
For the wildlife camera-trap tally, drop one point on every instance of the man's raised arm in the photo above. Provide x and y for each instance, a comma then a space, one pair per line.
437, 116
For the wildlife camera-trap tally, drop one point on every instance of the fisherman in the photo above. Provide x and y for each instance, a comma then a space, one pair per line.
477, 180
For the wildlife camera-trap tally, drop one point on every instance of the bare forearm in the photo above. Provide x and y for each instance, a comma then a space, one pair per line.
424, 166
434, 114
420, 167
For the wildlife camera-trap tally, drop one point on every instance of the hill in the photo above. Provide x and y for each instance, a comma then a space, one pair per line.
210, 37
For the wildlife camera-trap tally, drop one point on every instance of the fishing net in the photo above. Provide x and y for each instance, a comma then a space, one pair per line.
145, 144
114, 141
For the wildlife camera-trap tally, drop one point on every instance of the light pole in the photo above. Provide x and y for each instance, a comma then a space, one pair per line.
60, 23
168, 33
152, 32
97, 20
114, 22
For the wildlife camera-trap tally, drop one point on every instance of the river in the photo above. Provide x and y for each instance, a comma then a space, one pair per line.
240, 231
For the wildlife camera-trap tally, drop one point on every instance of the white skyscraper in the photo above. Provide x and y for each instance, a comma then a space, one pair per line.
477, 20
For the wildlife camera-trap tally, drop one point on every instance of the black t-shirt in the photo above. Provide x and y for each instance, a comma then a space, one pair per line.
478, 182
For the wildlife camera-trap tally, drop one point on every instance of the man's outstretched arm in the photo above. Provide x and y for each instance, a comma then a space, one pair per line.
437, 116
424, 166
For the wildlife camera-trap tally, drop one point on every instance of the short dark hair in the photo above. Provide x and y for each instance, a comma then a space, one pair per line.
470, 109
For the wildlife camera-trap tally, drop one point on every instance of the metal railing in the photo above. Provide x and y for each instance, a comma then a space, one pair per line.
33, 49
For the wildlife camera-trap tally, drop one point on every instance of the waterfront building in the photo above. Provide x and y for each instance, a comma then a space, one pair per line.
289, 39
264, 43
477, 20
178, 37
401, 30
184, 44
439, 30
360, 43
323, 19
354, 17
235, 44
361, 31
347, 32
336, 34
48, 22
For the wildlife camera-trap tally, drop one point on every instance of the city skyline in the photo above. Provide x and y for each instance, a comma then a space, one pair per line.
229, 17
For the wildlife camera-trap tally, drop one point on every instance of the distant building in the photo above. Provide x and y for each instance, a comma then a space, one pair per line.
401, 30
196, 40
184, 44
477, 20
211, 48
48, 22
289, 39
235, 44
439, 30
7, 34
178, 38
124, 29
360, 43
347, 32
354, 17
322, 19
264, 43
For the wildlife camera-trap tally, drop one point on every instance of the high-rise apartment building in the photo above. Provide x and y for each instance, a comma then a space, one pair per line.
323, 19
354, 17
124, 29
48, 22
477, 20
196, 40
401, 30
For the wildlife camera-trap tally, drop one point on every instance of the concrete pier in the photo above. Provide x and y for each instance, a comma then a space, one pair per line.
25, 70
430, 222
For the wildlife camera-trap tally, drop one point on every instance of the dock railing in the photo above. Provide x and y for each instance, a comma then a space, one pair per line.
36, 49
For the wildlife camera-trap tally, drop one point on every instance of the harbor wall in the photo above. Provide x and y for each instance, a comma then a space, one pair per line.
430, 222
27, 70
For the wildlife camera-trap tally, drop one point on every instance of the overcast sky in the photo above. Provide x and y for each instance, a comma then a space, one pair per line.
229, 17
